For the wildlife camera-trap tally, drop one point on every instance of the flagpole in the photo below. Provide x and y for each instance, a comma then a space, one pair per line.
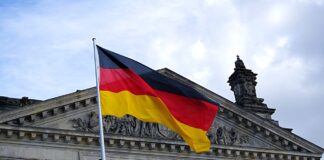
102, 140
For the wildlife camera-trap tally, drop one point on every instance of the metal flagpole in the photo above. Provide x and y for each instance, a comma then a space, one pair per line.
102, 140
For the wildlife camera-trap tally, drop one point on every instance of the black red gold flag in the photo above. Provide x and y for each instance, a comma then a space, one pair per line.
129, 87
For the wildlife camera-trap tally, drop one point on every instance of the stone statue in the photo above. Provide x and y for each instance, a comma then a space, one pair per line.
232, 136
93, 121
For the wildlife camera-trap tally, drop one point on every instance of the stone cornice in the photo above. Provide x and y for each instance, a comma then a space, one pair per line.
90, 107
50, 107
74, 139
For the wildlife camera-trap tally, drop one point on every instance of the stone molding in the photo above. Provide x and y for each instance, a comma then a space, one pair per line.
131, 126
44, 111
61, 103
240, 119
74, 139
228, 109
90, 101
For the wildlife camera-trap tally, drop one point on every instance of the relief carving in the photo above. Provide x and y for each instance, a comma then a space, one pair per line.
237, 91
249, 89
227, 136
90, 124
131, 126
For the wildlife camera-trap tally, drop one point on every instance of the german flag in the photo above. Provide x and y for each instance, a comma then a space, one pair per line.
129, 87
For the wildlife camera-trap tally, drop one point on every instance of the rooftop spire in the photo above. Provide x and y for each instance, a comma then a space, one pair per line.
243, 83
239, 63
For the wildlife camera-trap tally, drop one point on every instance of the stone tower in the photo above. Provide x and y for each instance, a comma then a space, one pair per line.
243, 82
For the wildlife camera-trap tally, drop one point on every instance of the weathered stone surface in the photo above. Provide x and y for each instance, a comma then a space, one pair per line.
66, 128
7, 103
243, 83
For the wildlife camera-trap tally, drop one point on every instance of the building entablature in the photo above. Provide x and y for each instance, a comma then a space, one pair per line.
90, 141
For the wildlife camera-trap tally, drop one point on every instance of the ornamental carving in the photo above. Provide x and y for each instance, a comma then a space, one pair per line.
227, 136
131, 126
249, 89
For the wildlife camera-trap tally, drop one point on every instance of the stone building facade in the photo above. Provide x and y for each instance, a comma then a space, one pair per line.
66, 128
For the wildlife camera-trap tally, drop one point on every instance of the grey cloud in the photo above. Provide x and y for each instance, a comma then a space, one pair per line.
47, 50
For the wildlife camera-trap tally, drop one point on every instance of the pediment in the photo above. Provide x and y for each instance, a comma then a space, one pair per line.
232, 127
223, 131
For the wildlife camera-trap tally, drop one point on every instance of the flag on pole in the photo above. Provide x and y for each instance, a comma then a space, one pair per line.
129, 87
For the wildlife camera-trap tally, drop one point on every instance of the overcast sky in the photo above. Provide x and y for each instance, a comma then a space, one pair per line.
46, 48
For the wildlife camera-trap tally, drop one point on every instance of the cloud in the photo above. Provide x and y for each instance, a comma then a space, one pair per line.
278, 14
198, 50
47, 50
282, 41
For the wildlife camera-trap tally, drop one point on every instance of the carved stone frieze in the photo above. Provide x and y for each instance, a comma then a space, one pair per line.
126, 126
89, 124
227, 136
131, 126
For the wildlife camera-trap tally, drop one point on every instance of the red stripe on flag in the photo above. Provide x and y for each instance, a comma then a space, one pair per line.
117, 80
193, 112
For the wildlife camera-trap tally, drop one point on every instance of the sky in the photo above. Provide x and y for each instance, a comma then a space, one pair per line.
46, 48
